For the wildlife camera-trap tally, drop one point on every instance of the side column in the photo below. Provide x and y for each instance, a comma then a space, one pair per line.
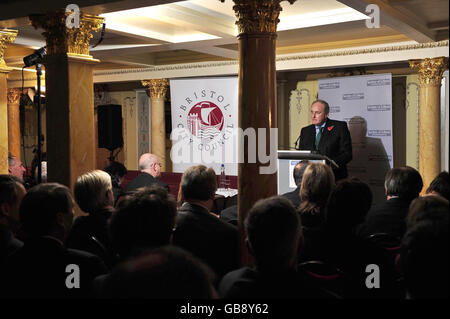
14, 122
6, 36
157, 89
430, 77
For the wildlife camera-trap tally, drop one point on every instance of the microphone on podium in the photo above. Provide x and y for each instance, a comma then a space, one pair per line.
296, 143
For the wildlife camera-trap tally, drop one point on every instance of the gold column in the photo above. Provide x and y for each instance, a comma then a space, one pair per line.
14, 122
6, 36
70, 95
257, 23
157, 91
430, 77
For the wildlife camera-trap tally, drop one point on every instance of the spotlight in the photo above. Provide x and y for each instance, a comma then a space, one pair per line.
33, 58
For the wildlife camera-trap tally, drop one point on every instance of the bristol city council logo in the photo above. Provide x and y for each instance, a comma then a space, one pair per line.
205, 120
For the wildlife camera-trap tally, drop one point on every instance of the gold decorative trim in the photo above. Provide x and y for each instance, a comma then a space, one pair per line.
157, 88
61, 39
430, 70
13, 96
190, 66
6, 36
257, 16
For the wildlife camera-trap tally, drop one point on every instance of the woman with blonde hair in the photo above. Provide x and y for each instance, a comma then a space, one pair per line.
93, 194
317, 184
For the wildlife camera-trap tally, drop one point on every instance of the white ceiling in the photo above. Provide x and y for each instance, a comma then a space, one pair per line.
145, 33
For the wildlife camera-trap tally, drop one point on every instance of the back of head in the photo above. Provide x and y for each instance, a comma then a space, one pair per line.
273, 232
440, 185
145, 220
91, 191
403, 182
41, 205
424, 259
317, 184
434, 208
8, 189
166, 272
299, 170
349, 203
198, 183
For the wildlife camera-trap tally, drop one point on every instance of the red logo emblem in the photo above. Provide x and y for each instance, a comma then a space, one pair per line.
205, 120
330, 128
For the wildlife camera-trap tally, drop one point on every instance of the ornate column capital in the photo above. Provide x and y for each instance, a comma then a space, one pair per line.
257, 16
430, 70
156, 87
13, 96
6, 36
60, 38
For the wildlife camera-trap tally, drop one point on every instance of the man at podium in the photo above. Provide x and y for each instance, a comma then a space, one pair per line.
327, 137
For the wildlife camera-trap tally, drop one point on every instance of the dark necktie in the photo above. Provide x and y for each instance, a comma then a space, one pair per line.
318, 136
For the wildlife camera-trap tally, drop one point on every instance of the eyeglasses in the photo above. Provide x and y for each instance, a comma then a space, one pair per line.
160, 165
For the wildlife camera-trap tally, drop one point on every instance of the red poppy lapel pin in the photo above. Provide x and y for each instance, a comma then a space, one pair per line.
330, 128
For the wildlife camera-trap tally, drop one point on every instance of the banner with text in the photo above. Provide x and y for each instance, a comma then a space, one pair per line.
204, 114
365, 103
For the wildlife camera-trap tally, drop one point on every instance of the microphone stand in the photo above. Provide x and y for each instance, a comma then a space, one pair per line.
296, 142
39, 128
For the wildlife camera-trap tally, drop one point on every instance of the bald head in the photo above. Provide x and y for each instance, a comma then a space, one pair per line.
149, 163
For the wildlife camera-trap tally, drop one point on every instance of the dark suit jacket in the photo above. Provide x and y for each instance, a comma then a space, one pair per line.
294, 197
142, 180
38, 270
90, 233
335, 143
207, 237
388, 217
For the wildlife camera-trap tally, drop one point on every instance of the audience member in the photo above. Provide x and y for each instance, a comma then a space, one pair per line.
93, 194
294, 196
440, 186
402, 185
424, 258
427, 208
317, 184
162, 273
11, 194
117, 171
342, 248
145, 221
43, 267
273, 231
15, 167
206, 236
150, 167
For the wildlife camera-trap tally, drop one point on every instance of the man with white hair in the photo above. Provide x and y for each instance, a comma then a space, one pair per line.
150, 167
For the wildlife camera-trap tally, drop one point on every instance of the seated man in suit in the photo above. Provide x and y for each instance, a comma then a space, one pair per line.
327, 137
44, 267
206, 236
150, 167
402, 185
11, 194
294, 196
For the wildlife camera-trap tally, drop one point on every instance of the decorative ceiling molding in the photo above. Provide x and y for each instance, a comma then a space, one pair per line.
333, 53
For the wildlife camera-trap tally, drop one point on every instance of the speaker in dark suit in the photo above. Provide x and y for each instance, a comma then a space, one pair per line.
327, 137
110, 126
